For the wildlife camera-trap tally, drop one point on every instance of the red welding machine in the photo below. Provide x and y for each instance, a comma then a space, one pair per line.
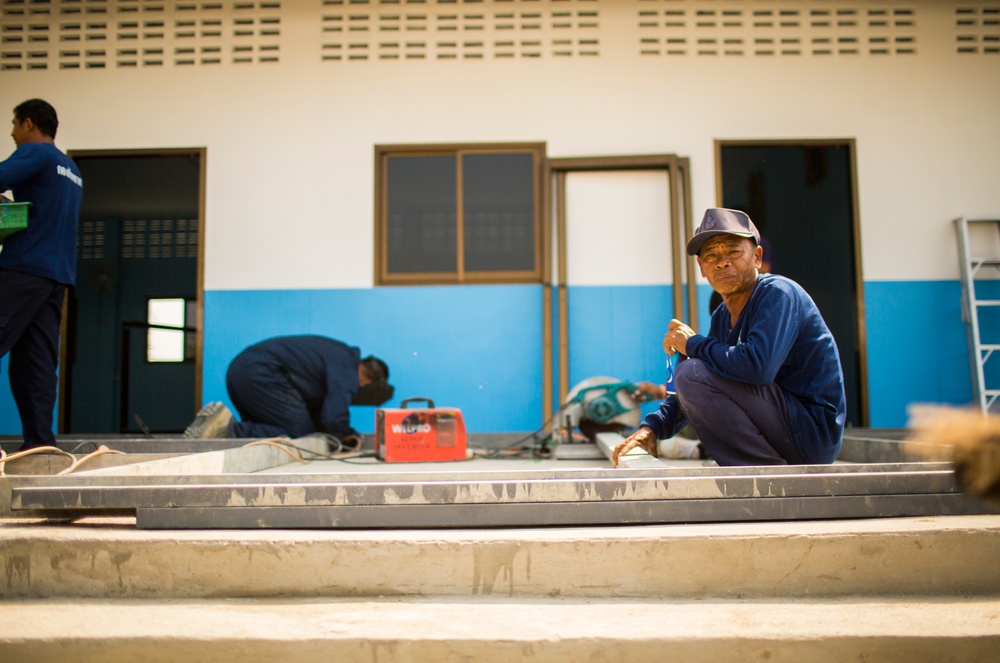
414, 435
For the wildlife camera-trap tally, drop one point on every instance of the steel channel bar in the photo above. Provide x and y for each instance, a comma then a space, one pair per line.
589, 490
628, 512
403, 475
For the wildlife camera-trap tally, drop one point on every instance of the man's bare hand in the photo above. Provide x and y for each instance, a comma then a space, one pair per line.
675, 340
644, 438
647, 391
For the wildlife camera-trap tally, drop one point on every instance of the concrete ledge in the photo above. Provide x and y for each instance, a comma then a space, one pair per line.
173, 444
52, 464
132, 444
251, 456
879, 557
553, 630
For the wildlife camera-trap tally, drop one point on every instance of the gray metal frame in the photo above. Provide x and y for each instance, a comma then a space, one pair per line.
495, 499
438, 516
224, 489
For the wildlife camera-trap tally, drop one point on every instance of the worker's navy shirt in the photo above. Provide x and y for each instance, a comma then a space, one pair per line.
324, 372
781, 338
38, 173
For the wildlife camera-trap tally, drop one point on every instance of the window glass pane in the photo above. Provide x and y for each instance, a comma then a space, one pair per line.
421, 224
618, 213
166, 312
499, 212
163, 344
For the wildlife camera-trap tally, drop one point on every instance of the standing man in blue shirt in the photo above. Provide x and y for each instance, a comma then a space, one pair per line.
765, 386
36, 265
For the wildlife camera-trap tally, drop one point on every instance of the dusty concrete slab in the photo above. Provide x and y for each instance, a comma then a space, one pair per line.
553, 630
877, 557
52, 464
252, 456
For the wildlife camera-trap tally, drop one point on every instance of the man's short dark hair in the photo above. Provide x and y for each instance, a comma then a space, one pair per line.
41, 113
375, 369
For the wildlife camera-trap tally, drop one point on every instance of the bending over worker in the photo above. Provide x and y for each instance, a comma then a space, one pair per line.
765, 386
292, 386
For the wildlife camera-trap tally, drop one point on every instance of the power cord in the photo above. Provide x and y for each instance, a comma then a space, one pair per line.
518, 448
340, 450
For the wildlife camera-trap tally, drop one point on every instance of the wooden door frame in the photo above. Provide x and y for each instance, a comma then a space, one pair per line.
679, 182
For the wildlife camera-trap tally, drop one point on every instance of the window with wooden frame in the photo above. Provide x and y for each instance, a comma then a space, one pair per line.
449, 214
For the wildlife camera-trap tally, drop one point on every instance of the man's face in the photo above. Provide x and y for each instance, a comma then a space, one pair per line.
730, 263
20, 131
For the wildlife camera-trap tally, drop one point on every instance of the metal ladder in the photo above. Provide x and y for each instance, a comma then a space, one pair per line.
979, 352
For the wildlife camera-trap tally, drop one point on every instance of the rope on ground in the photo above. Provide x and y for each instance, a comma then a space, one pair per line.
101, 451
4, 458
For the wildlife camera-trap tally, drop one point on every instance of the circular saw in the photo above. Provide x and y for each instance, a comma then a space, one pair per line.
602, 401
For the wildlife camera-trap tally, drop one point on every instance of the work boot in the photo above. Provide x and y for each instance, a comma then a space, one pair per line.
212, 421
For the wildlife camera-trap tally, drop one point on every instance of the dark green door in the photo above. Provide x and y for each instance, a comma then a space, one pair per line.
137, 256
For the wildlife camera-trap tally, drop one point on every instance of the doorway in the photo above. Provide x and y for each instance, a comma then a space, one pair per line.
133, 333
610, 196
802, 195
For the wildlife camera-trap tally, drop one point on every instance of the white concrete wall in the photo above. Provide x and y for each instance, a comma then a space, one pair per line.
290, 172
290, 144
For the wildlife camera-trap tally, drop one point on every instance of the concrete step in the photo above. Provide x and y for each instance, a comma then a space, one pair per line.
95, 558
554, 630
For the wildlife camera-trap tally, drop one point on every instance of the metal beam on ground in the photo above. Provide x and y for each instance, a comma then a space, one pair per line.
627, 512
227, 495
245, 491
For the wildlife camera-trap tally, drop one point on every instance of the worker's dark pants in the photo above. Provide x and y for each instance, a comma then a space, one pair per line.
736, 422
30, 311
267, 401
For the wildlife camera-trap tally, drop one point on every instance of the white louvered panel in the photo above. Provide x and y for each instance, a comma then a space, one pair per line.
775, 29
99, 34
458, 30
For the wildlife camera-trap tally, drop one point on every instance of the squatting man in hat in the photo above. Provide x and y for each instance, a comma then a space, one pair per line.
293, 386
765, 385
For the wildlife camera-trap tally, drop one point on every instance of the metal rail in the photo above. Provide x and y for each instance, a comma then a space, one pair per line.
216, 490
491, 499
442, 516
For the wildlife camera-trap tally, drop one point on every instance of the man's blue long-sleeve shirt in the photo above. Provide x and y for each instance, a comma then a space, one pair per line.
40, 174
780, 337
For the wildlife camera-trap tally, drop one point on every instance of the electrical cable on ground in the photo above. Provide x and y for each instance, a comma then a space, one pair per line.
279, 443
340, 450
516, 449
83, 444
